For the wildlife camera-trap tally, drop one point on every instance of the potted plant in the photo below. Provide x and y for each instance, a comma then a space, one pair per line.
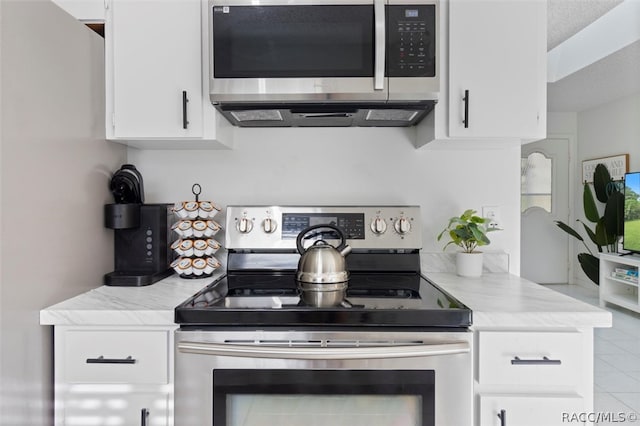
468, 232
608, 226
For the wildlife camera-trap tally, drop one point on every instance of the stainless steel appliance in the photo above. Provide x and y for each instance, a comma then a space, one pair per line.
323, 62
250, 352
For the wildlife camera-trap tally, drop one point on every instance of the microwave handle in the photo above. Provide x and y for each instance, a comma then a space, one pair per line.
380, 32
324, 353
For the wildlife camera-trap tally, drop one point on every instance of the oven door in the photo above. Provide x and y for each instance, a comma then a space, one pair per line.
297, 50
297, 378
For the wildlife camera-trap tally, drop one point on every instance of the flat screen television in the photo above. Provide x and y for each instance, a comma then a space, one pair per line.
631, 231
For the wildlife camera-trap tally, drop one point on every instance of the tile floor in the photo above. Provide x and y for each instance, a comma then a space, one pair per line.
617, 357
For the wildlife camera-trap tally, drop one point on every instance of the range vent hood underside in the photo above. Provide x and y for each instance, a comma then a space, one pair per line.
398, 114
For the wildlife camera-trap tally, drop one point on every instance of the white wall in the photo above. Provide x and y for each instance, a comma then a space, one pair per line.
55, 167
606, 130
348, 166
611, 129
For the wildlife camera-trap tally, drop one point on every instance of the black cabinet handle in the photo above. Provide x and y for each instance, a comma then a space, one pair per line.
185, 121
103, 360
466, 109
502, 415
144, 414
544, 361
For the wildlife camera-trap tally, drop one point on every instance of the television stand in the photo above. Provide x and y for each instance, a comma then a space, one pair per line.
617, 286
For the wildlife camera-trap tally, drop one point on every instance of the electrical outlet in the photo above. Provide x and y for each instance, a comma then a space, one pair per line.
493, 214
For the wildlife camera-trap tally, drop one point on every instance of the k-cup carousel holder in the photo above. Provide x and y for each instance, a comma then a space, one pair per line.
195, 228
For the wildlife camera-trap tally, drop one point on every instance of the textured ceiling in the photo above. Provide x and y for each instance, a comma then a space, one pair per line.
608, 79
567, 17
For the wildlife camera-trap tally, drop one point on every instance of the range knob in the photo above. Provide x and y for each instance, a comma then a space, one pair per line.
402, 226
378, 226
244, 225
269, 225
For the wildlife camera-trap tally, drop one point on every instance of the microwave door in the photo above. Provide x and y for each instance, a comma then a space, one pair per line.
297, 50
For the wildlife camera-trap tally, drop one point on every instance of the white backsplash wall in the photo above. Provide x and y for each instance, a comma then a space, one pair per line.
348, 166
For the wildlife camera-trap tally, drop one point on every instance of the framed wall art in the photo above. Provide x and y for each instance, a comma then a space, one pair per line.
617, 165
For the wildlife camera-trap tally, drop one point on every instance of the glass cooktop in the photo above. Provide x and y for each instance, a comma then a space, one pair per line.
372, 300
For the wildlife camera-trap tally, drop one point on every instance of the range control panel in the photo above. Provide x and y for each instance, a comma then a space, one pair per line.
411, 40
365, 227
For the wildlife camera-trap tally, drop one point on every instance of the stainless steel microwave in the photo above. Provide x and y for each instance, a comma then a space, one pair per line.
303, 53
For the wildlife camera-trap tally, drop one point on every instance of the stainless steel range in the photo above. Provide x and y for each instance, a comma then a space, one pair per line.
395, 350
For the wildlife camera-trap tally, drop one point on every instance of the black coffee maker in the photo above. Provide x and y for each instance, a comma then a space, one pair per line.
142, 232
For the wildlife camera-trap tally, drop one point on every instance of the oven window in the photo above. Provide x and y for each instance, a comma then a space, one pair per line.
299, 41
323, 397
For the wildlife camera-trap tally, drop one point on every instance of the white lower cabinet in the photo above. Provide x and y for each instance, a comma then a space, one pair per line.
113, 376
113, 406
535, 378
529, 409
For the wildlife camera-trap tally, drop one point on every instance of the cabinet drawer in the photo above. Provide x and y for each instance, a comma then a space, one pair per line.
518, 358
529, 410
116, 356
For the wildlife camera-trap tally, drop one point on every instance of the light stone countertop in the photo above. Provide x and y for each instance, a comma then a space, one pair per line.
496, 299
148, 305
503, 300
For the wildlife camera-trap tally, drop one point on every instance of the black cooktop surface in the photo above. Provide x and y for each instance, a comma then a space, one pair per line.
372, 300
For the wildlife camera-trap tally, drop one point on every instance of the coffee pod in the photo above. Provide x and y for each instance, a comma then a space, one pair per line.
212, 265
199, 227
187, 248
178, 210
199, 247
184, 266
175, 246
212, 247
206, 209
176, 228
191, 207
199, 265
212, 228
185, 228
174, 265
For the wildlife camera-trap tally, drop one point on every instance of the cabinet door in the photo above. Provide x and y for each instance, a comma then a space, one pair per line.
156, 57
530, 410
116, 407
497, 51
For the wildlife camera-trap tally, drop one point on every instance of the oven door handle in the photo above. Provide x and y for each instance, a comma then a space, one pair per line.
324, 353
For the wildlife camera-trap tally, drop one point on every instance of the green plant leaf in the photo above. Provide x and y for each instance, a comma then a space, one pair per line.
591, 266
603, 238
569, 230
601, 179
614, 214
589, 204
592, 235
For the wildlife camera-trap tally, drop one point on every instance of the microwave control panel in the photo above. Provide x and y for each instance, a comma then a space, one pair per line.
411, 41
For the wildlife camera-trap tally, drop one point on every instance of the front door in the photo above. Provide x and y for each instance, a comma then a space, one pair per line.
545, 199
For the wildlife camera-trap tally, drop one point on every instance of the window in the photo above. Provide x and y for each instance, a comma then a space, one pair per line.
535, 182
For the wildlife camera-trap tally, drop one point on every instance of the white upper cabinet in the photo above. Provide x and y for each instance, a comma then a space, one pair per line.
83, 10
497, 54
154, 72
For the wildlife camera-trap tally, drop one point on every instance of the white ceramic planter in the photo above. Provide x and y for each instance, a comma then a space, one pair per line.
469, 264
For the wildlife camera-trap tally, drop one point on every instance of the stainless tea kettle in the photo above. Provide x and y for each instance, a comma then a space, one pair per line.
321, 262
322, 274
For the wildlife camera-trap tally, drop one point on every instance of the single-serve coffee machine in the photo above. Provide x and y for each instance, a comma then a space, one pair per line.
142, 233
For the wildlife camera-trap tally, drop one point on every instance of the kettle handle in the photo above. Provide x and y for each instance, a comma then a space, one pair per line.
304, 232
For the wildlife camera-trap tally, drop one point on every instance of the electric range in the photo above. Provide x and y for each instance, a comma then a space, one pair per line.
385, 288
